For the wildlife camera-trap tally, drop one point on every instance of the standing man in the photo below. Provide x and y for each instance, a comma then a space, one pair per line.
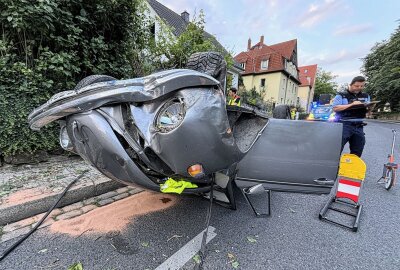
234, 99
352, 116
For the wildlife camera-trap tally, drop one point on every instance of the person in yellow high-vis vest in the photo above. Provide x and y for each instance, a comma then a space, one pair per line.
293, 113
234, 99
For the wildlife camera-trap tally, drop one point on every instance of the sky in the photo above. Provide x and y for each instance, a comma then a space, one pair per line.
334, 34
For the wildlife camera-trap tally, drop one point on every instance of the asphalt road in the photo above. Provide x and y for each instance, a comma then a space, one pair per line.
292, 238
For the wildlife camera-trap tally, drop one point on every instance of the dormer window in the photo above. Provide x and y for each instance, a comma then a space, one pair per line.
264, 64
243, 65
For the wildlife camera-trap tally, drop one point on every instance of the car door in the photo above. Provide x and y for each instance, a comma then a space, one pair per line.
293, 156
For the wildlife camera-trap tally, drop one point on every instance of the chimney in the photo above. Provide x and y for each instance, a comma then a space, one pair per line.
249, 44
262, 39
185, 16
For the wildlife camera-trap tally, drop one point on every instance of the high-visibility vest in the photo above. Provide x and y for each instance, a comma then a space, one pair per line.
293, 114
235, 101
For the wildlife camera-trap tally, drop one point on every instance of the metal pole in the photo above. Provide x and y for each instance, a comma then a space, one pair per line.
393, 142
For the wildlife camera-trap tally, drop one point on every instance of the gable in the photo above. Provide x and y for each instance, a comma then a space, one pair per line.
178, 23
307, 75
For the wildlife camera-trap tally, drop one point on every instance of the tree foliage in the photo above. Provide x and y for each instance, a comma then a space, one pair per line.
324, 83
47, 46
382, 70
168, 51
256, 98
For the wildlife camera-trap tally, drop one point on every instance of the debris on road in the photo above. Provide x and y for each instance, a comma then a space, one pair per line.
114, 217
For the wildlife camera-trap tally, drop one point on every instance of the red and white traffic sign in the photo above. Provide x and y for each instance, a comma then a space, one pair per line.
348, 189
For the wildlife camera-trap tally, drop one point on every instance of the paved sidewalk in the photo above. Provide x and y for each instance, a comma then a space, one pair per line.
28, 190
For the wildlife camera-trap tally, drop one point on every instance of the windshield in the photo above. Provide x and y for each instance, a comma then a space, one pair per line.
323, 110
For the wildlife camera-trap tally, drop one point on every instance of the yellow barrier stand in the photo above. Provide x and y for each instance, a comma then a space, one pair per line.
351, 175
352, 166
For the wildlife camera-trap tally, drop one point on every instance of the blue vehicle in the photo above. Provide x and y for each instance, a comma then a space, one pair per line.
322, 113
322, 110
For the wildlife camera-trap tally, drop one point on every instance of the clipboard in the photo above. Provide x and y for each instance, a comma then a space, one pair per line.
364, 105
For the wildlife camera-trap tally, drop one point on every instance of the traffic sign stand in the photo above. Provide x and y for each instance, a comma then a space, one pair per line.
350, 178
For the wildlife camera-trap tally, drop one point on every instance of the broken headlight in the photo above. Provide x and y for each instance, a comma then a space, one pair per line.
170, 115
65, 141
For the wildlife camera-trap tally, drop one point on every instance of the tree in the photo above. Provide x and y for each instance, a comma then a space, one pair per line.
324, 83
382, 70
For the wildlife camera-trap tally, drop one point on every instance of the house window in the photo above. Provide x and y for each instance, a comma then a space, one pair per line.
243, 65
262, 83
153, 30
306, 70
264, 64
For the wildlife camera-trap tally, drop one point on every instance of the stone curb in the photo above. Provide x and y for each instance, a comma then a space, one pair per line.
383, 121
13, 213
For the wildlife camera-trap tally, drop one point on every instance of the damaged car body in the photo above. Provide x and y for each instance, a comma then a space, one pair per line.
176, 124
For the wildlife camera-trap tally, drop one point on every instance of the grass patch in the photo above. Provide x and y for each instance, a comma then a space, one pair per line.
6, 189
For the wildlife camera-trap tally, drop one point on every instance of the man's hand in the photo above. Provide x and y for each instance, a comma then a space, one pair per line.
356, 102
339, 108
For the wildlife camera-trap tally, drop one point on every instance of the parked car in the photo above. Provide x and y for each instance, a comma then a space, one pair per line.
175, 123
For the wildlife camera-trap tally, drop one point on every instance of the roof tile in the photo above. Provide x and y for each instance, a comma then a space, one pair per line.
274, 53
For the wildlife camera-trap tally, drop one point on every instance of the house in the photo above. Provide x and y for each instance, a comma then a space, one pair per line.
178, 24
272, 70
307, 76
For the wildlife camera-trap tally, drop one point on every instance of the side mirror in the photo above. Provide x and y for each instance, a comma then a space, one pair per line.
254, 190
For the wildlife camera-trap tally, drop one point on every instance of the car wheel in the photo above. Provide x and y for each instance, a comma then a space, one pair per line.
211, 63
93, 79
281, 112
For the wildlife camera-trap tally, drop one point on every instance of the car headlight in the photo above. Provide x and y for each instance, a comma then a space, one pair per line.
65, 141
170, 115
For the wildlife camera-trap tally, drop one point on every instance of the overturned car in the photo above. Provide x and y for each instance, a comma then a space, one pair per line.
176, 124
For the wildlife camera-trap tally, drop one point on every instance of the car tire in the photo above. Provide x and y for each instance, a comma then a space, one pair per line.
93, 79
281, 112
210, 63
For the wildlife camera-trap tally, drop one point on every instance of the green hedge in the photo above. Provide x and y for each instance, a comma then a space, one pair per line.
47, 46
303, 116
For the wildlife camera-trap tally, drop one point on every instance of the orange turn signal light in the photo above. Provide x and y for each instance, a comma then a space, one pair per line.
195, 170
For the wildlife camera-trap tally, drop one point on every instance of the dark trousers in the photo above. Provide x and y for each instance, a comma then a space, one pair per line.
353, 133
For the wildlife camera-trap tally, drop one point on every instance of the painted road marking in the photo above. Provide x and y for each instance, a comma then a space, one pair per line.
182, 256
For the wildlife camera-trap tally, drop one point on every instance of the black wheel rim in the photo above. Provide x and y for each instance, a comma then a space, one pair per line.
389, 178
